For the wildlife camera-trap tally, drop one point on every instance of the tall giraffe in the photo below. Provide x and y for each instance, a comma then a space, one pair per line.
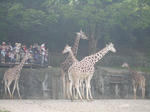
13, 74
74, 59
68, 61
137, 80
84, 69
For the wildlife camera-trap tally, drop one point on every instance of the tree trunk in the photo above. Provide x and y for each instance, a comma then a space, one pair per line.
92, 39
92, 44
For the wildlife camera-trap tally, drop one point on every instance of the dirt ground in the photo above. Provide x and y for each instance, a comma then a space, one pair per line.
76, 106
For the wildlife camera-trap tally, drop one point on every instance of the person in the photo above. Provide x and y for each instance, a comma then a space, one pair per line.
43, 53
46, 56
17, 51
36, 53
23, 51
12, 56
8, 53
30, 60
3, 52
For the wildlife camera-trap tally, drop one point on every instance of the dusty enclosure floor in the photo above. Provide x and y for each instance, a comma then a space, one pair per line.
76, 106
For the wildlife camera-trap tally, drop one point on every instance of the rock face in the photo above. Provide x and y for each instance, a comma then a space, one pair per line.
46, 83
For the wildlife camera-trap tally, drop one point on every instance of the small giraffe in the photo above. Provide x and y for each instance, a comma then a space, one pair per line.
68, 61
84, 69
13, 74
137, 80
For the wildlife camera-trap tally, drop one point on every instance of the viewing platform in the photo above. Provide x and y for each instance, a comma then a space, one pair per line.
27, 65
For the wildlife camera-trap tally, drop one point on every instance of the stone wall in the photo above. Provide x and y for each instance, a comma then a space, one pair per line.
46, 83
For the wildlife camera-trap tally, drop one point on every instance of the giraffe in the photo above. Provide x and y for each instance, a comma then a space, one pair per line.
84, 69
74, 59
137, 80
64, 66
13, 74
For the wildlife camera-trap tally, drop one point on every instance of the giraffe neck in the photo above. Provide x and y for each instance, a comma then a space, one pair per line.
73, 57
131, 71
129, 68
97, 56
21, 64
75, 46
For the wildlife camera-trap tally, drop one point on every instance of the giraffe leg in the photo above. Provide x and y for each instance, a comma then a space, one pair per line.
134, 90
67, 89
67, 83
74, 95
5, 90
90, 93
10, 95
64, 85
5, 87
89, 89
70, 90
143, 89
18, 90
15, 84
143, 92
82, 88
8, 88
87, 95
77, 88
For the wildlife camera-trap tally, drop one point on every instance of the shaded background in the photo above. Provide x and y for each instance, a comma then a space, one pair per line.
126, 23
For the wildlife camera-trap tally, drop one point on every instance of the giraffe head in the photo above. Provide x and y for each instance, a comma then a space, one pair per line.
82, 35
111, 47
125, 65
66, 49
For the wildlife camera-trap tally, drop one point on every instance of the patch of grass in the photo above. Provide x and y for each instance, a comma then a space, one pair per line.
4, 111
114, 67
117, 67
142, 69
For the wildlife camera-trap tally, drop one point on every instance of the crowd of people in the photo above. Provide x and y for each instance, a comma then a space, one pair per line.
14, 54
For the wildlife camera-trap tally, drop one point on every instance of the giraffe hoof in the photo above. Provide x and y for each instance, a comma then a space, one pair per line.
92, 99
20, 98
71, 99
88, 100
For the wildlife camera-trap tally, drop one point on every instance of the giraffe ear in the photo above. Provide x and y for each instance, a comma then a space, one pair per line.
67, 45
81, 32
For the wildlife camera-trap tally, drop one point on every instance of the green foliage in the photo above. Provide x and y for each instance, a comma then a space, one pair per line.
142, 69
56, 20
4, 111
32, 17
15, 13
